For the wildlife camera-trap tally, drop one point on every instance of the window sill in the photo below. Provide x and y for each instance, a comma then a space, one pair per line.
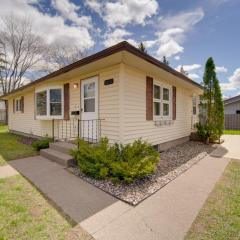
48, 117
163, 122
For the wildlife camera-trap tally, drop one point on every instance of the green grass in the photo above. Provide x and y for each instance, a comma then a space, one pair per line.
11, 148
25, 214
232, 132
219, 218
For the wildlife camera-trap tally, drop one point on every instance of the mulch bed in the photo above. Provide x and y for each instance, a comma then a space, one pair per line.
172, 163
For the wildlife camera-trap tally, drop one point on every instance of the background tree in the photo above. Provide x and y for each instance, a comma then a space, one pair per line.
212, 102
25, 53
58, 56
165, 61
21, 50
183, 71
142, 47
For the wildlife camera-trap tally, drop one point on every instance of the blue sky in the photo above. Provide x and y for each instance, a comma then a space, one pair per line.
187, 32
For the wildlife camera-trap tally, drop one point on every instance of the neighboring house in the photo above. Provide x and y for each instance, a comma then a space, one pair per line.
232, 105
2, 105
2, 111
120, 93
232, 113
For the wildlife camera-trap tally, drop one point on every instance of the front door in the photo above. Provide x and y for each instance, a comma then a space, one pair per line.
89, 108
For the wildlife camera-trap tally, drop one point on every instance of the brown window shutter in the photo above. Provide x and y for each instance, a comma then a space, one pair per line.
22, 104
149, 98
174, 103
13, 105
66, 101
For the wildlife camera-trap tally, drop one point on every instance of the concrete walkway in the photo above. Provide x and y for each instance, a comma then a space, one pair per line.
168, 214
75, 197
7, 171
229, 148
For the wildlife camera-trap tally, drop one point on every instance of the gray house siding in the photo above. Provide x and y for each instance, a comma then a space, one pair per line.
232, 108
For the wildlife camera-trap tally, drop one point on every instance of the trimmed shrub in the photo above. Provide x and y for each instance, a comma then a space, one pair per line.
42, 143
118, 162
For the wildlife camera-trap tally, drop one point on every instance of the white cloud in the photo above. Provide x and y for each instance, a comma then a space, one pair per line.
185, 20
169, 48
149, 43
168, 41
52, 28
234, 81
188, 68
95, 5
123, 12
173, 30
221, 69
193, 76
177, 58
117, 36
70, 11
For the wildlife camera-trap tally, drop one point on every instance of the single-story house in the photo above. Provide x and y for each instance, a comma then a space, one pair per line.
232, 105
120, 93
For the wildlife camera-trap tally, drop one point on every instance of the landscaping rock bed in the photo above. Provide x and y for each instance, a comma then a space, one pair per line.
172, 163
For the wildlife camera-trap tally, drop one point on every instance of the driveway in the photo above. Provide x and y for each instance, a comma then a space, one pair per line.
230, 148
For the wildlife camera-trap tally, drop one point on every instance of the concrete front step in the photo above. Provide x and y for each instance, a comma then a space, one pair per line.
63, 147
56, 156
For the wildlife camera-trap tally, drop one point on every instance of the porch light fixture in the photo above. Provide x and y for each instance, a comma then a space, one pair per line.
75, 85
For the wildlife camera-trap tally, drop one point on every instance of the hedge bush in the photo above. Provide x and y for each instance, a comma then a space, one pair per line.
42, 143
117, 162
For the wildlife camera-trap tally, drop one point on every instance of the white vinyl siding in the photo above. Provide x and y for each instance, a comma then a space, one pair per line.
135, 124
122, 105
108, 106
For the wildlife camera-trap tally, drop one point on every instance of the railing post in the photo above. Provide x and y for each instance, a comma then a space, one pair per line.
53, 129
78, 129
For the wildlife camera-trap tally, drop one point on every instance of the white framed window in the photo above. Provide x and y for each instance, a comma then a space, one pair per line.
49, 103
162, 101
18, 105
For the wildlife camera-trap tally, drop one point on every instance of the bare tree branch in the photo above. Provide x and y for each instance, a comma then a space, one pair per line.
22, 50
59, 56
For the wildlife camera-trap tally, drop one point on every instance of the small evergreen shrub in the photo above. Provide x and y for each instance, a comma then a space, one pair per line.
118, 162
42, 143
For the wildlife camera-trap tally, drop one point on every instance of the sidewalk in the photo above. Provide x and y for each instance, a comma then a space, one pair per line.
168, 214
229, 148
7, 171
75, 197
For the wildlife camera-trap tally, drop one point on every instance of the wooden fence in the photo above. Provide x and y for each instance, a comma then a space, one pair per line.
232, 121
3, 116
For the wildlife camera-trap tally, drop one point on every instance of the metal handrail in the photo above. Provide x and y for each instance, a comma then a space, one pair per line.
89, 130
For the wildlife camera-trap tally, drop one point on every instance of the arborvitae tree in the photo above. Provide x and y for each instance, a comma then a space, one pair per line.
212, 101
165, 61
142, 47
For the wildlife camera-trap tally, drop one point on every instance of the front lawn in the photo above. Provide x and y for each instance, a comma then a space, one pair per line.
25, 214
232, 132
219, 218
11, 148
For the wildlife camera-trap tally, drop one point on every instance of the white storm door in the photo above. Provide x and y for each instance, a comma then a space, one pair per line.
89, 108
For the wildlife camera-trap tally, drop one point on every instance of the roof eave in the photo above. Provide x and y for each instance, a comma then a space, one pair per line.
104, 53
